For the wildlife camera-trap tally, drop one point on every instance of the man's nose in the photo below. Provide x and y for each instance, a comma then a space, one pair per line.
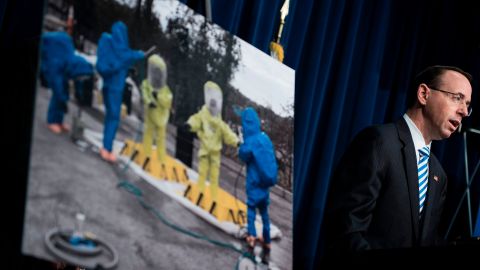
464, 110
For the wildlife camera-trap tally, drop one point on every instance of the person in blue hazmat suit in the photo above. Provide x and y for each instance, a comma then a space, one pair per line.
157, 100
114, 58
59, 63
258, 153
212, 132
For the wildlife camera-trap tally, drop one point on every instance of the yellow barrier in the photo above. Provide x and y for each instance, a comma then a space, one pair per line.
227, 208
171, 170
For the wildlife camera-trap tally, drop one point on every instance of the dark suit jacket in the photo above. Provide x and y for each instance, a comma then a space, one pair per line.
373, 197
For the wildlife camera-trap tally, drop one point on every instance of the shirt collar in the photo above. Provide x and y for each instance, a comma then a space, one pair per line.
418, 140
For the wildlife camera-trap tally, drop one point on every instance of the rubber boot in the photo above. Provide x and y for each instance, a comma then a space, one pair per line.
265, 254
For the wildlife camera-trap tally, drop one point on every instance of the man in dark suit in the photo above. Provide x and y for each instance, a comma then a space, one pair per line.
388, 190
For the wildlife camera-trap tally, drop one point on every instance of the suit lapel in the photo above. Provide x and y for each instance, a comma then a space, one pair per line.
410, 161
431, 194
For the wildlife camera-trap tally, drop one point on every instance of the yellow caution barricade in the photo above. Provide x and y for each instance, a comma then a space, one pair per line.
227, 208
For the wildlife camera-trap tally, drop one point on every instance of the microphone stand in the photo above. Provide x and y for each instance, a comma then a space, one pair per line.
468, 180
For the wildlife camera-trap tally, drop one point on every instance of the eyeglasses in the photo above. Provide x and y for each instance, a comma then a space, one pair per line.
457, 98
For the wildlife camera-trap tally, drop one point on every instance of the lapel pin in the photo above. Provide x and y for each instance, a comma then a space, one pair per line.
435, 178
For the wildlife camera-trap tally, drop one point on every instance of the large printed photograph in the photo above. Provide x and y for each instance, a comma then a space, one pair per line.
159, 141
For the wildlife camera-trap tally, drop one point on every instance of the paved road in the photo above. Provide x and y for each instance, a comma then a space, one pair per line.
66, 179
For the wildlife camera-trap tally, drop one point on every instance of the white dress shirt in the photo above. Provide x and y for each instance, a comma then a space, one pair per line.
418, 140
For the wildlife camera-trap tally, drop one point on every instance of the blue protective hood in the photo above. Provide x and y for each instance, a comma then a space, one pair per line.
58, 57
120, 36
114, 53
57, 47
250, 122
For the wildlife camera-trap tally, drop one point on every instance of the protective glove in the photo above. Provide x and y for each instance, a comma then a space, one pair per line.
240, 135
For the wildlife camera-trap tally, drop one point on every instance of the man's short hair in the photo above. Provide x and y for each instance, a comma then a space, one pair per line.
431, 77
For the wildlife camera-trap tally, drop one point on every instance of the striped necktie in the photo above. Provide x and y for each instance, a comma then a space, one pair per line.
422, 177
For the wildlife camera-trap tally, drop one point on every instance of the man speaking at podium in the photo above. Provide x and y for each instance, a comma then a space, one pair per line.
389, 190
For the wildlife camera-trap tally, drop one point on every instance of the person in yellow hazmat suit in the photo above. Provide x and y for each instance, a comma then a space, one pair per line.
157, 99
212, 132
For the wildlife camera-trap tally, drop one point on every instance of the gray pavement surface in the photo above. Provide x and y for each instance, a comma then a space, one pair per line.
65, 179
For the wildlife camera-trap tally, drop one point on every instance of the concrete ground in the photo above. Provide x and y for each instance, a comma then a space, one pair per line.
66, 178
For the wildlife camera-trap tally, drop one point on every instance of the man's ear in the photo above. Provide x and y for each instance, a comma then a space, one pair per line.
422, 94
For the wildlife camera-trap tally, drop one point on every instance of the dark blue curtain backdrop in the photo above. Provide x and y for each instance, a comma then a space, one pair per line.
354, 61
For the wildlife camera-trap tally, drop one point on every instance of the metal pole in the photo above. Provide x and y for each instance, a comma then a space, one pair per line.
283, 14
208, 10
469, 206
467, 189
